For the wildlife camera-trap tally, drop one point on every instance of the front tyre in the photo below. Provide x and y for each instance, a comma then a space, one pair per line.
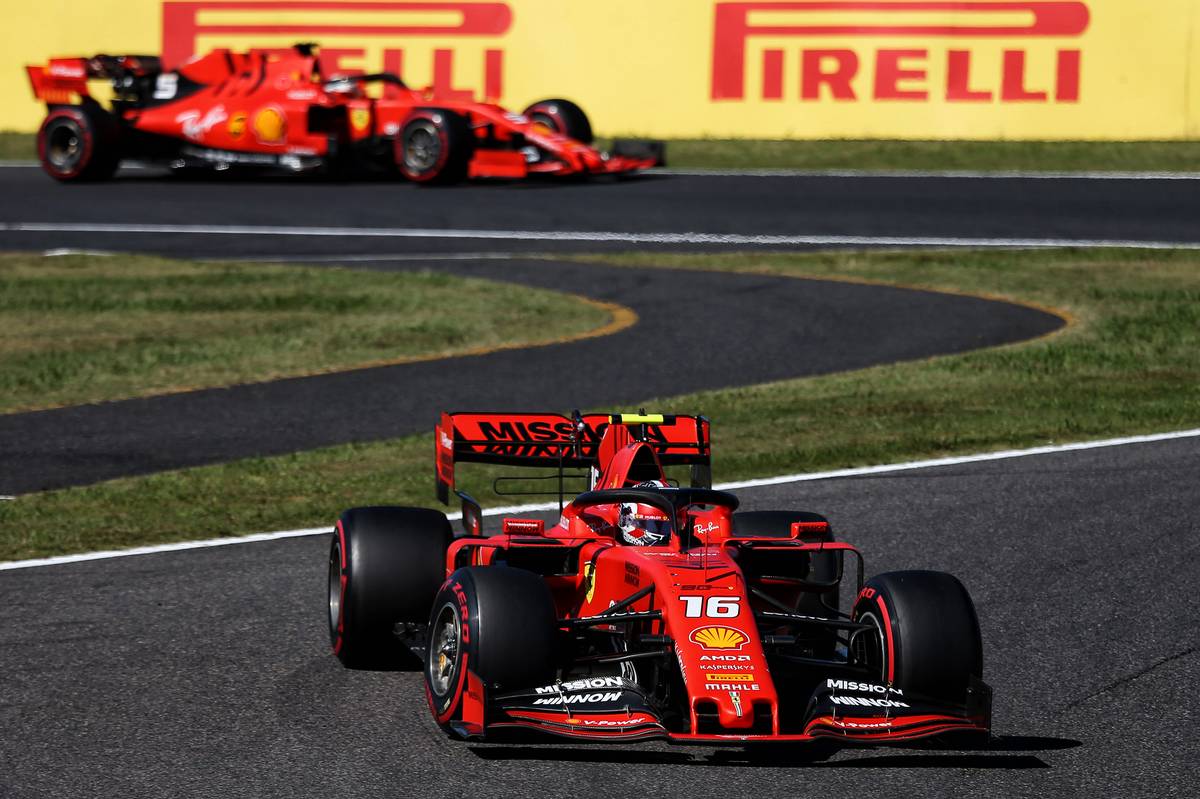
79, 143
927, 636
563, 117
495, 622
385, 567
435, 147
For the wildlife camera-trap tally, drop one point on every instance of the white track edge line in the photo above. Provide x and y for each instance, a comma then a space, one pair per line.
733, 239
860, 471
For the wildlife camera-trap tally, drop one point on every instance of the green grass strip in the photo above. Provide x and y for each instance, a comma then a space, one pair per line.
83, 329
1128, 364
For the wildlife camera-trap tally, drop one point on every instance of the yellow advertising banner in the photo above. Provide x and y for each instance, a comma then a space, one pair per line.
911, 69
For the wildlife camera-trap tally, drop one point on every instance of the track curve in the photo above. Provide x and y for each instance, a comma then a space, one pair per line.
692, 334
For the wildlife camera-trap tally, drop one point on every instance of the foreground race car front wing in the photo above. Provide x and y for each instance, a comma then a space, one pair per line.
613, 709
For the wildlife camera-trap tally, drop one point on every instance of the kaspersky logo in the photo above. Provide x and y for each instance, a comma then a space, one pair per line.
367, 36
956, 51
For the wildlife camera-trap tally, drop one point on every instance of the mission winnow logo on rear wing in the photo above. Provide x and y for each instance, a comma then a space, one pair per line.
552, 439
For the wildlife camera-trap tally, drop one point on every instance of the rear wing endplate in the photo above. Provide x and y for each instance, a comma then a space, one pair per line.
559, 441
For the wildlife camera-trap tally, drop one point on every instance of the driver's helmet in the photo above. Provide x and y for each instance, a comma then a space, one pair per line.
644, 525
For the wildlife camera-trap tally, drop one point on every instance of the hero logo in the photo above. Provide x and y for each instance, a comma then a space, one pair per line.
196, 25
990, 56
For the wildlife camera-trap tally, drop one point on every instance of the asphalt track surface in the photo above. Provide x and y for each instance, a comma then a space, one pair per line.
206, 672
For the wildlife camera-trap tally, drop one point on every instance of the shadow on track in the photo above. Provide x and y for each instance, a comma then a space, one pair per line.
997, 753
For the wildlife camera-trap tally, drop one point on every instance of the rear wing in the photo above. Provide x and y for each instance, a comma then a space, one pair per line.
560, 441
63, 81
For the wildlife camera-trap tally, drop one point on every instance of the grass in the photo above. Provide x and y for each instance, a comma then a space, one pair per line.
988, 156
1036, 156
1127, 365
17, 146
85, 329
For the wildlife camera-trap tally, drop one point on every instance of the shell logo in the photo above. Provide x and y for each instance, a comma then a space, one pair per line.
718, 638
270, 125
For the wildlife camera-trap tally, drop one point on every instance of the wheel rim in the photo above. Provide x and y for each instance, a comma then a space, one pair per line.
546, 121
422, 147
335, 590
64, 145
444, 651
868, 646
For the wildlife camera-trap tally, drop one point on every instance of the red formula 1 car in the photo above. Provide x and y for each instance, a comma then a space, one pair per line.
649, 610
275, 109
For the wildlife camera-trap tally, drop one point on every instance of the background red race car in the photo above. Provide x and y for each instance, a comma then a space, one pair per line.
649, 610
267, 108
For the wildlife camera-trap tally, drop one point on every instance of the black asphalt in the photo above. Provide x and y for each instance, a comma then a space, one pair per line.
207, 673
1149, 210
696, 330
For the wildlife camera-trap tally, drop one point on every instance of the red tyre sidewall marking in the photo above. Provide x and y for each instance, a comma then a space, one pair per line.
443, 154
891, 647
341, 623
84, 132
464, 660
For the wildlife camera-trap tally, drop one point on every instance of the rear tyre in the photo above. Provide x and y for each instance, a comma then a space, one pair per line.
495, 621
824, 567
79, 143
435, 147
927, 638
562, 116
385, 566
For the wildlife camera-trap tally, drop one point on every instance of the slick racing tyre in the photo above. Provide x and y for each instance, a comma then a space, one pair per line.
435, 147
385, 566
497, 622
927, 635
824, 567
562, 116
79, 143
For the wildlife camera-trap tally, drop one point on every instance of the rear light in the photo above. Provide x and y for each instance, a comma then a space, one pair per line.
524, 527
808, 529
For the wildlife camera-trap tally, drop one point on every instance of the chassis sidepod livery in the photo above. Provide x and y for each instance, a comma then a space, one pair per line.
649, 610
275, 109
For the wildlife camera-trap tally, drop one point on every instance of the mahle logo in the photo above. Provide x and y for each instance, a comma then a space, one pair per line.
359, 37
956, 51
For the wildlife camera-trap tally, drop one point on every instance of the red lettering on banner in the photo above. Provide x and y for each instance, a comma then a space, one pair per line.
772, 75
1067, 83
889, 73
958, 79
734, 27
183, 25
1013, 88
837, 79
332, 60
